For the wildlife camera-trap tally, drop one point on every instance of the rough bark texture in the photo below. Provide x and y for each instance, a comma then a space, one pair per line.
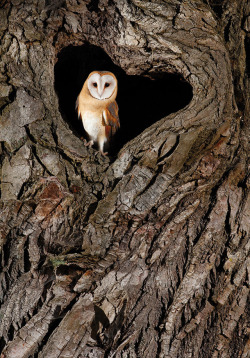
143, 254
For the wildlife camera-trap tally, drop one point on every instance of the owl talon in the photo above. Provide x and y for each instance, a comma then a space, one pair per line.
103, 153
88, 144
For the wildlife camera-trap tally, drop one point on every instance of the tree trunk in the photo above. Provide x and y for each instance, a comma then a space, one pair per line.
143, 253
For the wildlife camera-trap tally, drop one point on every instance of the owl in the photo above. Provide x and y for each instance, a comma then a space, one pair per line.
98, 109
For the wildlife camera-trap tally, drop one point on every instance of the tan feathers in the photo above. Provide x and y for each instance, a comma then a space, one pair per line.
97, 108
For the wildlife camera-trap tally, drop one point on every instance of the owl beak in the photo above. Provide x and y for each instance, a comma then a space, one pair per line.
100, 93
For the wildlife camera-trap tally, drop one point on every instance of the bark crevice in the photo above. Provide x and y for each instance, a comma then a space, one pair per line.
143, 253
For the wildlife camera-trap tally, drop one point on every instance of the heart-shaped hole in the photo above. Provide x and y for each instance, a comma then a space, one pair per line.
142, 100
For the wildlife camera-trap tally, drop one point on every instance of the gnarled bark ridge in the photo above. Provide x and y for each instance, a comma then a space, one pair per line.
143, 254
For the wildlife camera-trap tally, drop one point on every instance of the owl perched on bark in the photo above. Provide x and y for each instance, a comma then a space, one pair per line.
98, 109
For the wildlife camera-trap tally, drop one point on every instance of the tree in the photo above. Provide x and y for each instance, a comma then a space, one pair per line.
143, 253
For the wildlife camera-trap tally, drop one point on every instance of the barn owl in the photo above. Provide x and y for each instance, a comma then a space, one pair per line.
98, 109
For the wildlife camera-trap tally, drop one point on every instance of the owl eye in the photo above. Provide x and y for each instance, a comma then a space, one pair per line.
107, 85
95, 84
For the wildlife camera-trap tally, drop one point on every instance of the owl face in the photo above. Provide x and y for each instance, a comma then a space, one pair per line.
101, 86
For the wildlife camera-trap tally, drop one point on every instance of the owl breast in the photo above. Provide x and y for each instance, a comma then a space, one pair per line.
92, 123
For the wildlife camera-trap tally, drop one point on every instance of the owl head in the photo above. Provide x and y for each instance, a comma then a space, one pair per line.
102, 84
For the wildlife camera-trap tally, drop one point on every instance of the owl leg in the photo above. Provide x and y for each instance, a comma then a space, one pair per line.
101, 141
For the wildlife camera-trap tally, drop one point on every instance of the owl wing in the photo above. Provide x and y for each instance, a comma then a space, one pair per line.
77, 108
111, 119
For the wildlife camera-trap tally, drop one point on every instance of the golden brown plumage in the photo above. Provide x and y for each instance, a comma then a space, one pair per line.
97, 107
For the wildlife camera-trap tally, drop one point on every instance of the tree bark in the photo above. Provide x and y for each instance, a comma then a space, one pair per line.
143, 254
